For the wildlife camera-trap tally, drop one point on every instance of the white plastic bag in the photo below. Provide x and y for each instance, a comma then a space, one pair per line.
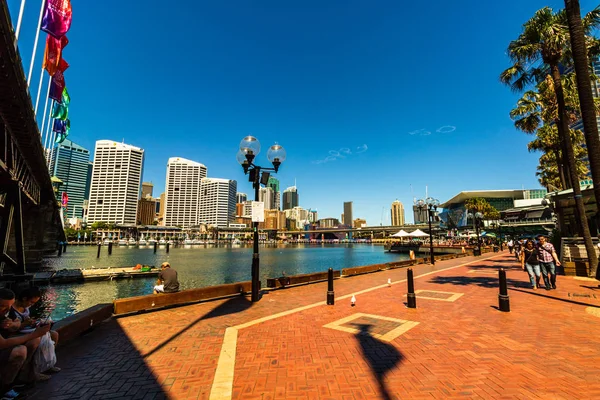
45, 355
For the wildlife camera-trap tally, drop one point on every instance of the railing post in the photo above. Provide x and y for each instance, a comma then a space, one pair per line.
410, 296
168, 244
503, 300
99, 248
330, 294
110, 248
155, 247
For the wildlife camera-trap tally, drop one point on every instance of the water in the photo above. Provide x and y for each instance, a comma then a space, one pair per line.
197, 266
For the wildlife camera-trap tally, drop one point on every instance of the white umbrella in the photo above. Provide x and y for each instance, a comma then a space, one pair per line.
418, 233
402, 233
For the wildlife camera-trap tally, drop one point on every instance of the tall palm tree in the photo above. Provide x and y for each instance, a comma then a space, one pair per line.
578, 30
539, 47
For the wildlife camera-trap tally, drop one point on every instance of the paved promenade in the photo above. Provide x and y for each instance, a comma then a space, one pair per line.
290, 345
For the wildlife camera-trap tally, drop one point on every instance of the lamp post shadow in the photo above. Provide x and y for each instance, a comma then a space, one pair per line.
382, 357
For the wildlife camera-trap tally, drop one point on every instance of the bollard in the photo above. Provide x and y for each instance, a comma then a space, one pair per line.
99, 248
65, 247
168, 244
109, 248
503, 300
60, 247
330, 295
410, 297
155, 247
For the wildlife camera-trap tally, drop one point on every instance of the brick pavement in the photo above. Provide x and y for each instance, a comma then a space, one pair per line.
547, 347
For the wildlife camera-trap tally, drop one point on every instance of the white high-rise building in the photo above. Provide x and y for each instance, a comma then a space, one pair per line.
267, 196
217, 201
182, 192
241, 197
116, 183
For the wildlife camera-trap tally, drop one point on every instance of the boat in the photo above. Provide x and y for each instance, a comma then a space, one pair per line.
122, 242
237, 242
106, 242
151, 242
188, 241
131, 242
162, 241
170, 242
142, 242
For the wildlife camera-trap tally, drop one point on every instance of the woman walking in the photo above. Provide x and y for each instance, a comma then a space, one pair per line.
530, 262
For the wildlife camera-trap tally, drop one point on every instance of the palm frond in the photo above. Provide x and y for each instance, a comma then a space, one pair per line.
591, 21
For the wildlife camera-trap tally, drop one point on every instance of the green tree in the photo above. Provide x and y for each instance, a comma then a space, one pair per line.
99, 225
479, 204
541, 46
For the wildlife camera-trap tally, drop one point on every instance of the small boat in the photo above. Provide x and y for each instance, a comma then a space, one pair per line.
106, 242
170, 242
142, 242
131, 242
188, 241
237, 242
162, 241
151, 242
122, 242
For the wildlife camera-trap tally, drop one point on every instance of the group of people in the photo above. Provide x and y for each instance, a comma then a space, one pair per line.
26, 344
539, 259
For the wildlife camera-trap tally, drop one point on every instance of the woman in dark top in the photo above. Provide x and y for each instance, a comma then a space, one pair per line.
529, 262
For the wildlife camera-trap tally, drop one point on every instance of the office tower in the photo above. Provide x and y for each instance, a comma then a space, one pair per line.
70, 165
397, 213
247, 208
273, 183
116, 182
241, 197
88, 182
147, 188
217, 201
239, 209
359, 223
161, 210
347, 219
182, 192
420, 215
313, 216
265, 195
290, 198
146, 211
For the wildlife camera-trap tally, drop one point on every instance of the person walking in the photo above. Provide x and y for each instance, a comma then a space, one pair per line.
548, 261
530, 263
510, 246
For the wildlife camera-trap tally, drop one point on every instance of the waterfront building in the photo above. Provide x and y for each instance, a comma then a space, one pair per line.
217, 202
116, 182
146, 211
241, 197
313, 216
247, 208
347, 216
359, 223
290, 198
161, 210
266, 195
147, 188
182, 192
329, 223
70, 164
273, 183
274, 219
397, 213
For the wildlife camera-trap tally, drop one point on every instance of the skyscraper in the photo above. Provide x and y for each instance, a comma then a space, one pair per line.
217, 201
70, 165
347, 213
265, 195
147, 188
241, 197
290, 198
182, 192
273, 183
116, 182
397, 213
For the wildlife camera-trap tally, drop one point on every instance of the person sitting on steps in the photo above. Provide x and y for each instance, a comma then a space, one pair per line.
167, 280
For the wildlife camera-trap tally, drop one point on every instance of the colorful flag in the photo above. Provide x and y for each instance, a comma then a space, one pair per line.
65, 199
57, 17
60, 110
59, 126
66, 99
57, 86
53, 53
60, 137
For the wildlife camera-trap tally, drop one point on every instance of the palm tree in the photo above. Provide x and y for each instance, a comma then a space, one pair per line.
539, 47
578, 31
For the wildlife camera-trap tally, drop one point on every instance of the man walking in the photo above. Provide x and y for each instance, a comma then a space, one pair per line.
548, 261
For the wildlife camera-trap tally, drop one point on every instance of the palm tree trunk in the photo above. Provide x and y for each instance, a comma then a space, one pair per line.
560, 168
569, 157
561, 158
586, 98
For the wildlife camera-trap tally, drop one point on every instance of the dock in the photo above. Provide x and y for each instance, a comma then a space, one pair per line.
93, 274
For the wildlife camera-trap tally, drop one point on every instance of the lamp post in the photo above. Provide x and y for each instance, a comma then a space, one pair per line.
249, 149
477, 217
431, 205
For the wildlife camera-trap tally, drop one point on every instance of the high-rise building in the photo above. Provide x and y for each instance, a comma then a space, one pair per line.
88, 182
313, 216
70, 164
290, 198
265, 195
247, 208
161, 210
397, 213
359, 223
116, 182
182, 192
241, 197
147, 188
420, 215
273, 183
146, 211
217, 201
347, 219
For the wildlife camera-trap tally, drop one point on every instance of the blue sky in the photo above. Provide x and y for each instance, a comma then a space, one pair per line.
368, 98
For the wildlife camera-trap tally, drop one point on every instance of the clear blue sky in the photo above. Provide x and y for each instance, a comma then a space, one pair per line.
394, 93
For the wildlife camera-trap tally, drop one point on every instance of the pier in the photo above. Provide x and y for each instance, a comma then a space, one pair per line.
93, 274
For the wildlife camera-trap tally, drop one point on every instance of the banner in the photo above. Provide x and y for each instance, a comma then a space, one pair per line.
53, 53
57, 85
65, 199
60, 110
59, 126
57, 17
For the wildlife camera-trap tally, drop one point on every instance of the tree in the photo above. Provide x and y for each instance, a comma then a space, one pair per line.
578, 31
479, 204
99, 225
541, 46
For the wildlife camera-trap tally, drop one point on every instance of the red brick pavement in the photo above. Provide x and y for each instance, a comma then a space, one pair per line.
546, 347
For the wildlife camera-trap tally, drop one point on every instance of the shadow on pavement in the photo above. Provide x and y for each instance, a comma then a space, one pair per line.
482, 281
382, 357
232, 306
102, 364
555, 298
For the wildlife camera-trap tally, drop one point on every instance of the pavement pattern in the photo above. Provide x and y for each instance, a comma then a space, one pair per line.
291, 345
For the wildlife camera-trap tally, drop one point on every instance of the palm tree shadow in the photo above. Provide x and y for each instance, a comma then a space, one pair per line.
382, 357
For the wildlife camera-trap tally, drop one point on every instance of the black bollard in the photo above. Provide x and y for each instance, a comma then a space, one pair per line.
155, 247
503, 301
168, 244
330, 295
65, 247
109, 248
60, 247
99, 248
410, 297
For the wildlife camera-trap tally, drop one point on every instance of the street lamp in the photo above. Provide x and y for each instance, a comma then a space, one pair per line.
477, 218
431, 205
249, 149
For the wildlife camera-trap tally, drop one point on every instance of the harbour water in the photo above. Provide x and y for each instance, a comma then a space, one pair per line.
197, 266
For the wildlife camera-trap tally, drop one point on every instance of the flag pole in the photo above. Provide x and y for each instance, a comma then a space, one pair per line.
37, 100
48, 135
44, 115
52, 152
35, 43
19, 21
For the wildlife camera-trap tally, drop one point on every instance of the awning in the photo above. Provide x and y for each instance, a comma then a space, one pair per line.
535, 214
